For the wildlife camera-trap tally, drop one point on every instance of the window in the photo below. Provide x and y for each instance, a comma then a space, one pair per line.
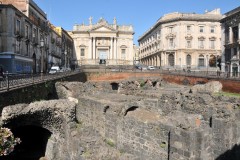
201, 29
201, 61
171, 42
212, 30
189, 60
235, 33
171, 60
27, 49
27, 31
188, 28
17, 29
17, 48
159, 34
212, 44
234, 51
82, 52
200, 43
123, 54
227, 36
189, 44
170, 29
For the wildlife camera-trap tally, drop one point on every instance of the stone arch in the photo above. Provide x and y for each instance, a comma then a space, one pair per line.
33, 144
115, 86
52, 116
129, 109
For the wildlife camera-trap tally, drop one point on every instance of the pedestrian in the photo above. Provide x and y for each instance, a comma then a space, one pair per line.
218, 71
1, 73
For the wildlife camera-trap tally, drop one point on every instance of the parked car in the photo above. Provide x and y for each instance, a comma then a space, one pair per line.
151, 68
142, 67
54, 69
63, 69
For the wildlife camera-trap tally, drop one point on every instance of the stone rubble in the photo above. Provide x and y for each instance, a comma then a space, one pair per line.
135, 119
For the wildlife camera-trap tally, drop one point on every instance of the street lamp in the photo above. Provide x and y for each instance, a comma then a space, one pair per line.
65, 52
207, 64
42, 45
180, 62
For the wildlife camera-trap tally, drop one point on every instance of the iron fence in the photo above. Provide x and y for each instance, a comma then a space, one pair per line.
16, 81
19, 80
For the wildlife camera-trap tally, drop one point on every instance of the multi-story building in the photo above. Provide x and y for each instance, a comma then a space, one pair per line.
24, 38
31, 44
181, 40
55, 47
231, 42
103, 43
67, 57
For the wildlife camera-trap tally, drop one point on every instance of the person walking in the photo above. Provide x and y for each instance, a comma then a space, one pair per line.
1, 73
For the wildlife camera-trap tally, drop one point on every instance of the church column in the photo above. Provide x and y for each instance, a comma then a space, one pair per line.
223, 42
111, 49
90, 49
115, 49
239, 32
230, 35
94, 47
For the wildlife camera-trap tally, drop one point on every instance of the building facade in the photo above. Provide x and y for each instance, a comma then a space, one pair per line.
24, 27
230, 25
20, 42
30, 43
183, 40
55, 47
68, 59
103, 43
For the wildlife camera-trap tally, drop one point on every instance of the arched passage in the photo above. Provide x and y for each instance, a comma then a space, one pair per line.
33, 143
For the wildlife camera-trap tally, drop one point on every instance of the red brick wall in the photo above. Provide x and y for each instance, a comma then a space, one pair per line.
228, 85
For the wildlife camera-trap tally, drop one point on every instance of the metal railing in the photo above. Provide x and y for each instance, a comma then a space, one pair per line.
183, 72
20, 80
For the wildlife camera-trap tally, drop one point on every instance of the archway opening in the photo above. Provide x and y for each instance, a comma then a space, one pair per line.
33, 143
114, 86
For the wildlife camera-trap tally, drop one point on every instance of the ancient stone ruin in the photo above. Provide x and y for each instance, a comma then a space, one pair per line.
136, 119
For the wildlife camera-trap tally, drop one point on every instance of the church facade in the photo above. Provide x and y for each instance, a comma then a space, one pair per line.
103, 43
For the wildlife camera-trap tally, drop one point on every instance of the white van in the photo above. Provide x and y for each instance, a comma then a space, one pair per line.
54, 69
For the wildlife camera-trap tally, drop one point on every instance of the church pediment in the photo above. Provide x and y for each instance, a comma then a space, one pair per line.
103, 29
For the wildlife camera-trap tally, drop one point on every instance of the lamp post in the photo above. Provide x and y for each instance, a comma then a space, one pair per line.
180, 63
65, 53
42, 45
207, 64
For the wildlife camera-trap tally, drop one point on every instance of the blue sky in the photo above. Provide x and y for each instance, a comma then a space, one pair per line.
142, 14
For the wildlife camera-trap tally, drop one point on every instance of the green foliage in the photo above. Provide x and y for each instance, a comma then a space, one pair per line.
142, 83
228, 94
110, 142
163, 145
7, 141
79, 125
86, 154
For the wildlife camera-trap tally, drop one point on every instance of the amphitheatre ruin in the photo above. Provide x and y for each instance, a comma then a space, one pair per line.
131, 119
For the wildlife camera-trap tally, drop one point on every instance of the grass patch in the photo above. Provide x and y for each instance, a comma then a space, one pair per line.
87, 154
228, 94
110, 142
